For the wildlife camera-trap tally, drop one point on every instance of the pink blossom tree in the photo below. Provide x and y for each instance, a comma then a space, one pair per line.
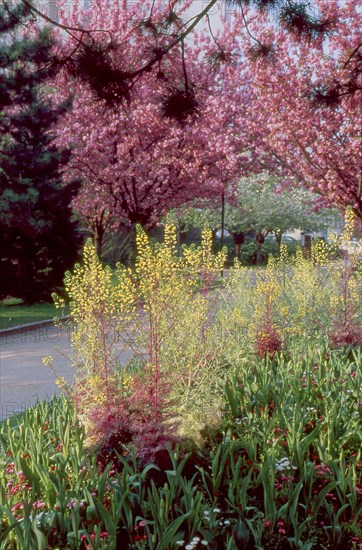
174, 135
299, 17
311, 123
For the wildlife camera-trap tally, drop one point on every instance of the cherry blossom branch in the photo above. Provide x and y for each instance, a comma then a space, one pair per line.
247, 28
66, 28
155, 59
352, 54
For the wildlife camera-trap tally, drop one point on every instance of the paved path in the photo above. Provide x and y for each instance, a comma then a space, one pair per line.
24, 379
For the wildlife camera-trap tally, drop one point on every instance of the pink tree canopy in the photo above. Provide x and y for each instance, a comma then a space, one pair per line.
149, 152
181, 130
310, 134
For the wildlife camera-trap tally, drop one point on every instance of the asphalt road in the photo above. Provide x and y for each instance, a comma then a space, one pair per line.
24, 379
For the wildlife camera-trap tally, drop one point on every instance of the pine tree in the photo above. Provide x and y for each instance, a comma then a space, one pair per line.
38, 236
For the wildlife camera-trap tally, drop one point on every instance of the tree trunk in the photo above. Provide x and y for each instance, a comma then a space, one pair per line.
98, 240
133, 245
278, 241
258, 253
307, 246
178, 240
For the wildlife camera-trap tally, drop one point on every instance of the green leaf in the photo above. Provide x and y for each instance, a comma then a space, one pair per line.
74, 537
241, 535
169, 534
14, 525
42, 542
92, 513
31, 476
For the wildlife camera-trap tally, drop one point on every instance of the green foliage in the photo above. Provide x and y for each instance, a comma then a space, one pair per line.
284, 469
265, 454
260, 203
295, 301
39, 240
153, 345
257, 204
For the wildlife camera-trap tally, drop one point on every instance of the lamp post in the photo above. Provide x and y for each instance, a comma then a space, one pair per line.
222, 226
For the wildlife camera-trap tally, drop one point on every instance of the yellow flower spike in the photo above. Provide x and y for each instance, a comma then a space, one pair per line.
349, 223
61, 382
48, 361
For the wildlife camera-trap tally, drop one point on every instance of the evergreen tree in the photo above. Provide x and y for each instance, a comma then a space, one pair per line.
38, 236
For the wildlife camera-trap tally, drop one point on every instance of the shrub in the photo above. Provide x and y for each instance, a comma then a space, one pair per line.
295, 302
183, 340
161, 312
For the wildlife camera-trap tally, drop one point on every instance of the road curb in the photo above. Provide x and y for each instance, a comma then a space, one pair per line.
31, 326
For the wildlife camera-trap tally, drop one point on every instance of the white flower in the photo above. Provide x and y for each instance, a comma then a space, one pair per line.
180, 542
196, 539
216, 510
204, 542
284, 464
226, 522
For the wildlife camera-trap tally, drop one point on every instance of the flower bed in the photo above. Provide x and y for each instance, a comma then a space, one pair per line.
283, 470
235, 425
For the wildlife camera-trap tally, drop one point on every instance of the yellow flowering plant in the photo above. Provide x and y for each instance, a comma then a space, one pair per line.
145, 351
296, 302
153, 346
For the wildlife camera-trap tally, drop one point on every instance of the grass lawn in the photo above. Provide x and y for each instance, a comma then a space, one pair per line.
14, 312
